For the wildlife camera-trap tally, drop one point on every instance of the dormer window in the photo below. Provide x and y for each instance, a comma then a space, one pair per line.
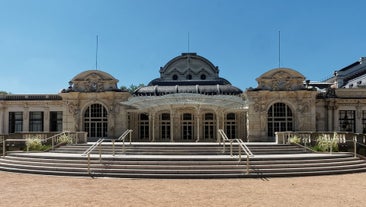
189, 77
203, 77
175, 77
359, 82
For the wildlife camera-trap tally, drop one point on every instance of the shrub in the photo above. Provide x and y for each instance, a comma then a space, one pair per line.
65, 139
295, 139
324, 144
35, 144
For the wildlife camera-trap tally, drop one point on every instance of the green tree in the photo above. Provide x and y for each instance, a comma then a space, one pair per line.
4, 93
132, 87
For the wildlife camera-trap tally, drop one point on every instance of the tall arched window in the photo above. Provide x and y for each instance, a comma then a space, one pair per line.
230, 125
279, 119
187, 126
209, 126
165, 126
96, 121
144, 126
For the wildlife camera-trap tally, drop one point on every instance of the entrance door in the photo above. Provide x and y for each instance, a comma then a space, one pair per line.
279, 119
187, 126
96, 121
209, 127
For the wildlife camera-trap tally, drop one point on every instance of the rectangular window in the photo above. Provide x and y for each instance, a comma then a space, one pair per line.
15, 122
230, 126
165, 126
347, 120
36, 121
56, 121
364, 122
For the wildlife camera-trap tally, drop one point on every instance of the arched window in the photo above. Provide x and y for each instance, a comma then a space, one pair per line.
279, 119
96, 121
144, 126
165, 126
230, 125
209, 126
187, 126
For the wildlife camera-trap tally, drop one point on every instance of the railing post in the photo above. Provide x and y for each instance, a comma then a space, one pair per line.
4, 147
123, 147
100, 152
130, 136
89, 163
355, 146
231, 148
239, 150
305, 144
113, 147
247, 164
223, 145
53, 143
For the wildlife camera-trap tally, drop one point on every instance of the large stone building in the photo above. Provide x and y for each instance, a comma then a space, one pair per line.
190, 102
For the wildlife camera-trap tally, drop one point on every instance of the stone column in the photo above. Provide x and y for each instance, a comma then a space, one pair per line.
2, 121
172, 125
26, 119
46, 119
220, 123
153, 126
198, 127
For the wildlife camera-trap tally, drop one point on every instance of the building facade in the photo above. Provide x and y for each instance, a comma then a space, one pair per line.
189, 102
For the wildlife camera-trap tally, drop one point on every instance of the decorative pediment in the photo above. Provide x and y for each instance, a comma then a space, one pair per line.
281, 79
93, 81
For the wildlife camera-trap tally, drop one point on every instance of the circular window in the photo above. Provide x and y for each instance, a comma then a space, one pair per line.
175, 77
189, 77
203, 77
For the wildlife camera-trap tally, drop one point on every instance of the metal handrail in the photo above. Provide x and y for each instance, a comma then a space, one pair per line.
122, 138
241, 146
90, 150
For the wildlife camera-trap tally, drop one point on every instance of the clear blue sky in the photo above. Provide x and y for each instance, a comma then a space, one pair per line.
45, 43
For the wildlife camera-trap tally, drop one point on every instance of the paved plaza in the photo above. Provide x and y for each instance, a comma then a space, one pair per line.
42, 190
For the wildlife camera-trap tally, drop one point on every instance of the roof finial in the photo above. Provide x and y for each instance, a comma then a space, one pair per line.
96, 55
188, 42
279, 49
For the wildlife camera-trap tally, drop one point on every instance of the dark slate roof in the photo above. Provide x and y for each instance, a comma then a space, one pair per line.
33, 97
162, 82
198, 89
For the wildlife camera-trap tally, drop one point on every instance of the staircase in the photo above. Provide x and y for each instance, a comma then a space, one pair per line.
182, 160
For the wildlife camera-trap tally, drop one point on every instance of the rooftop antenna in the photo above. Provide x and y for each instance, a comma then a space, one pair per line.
279, 49
188, 42
96, 55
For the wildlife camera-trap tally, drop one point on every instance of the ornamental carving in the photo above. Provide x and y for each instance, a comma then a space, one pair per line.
93, 81
281, 79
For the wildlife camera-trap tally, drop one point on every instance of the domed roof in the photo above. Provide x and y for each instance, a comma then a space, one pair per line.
187, 67
281, 79
93, 81
188, 73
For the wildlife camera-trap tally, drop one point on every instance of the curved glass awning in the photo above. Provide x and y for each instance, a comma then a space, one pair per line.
186, 99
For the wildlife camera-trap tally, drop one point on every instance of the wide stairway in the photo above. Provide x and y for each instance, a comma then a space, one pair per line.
181, 160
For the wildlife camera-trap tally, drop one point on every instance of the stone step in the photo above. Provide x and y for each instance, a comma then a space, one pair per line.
183, 161
203, 149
